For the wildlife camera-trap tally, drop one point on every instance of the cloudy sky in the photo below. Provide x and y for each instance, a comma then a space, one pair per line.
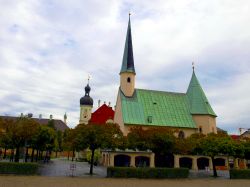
48, 48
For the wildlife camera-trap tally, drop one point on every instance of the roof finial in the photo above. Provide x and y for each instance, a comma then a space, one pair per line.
129, 14
193, 65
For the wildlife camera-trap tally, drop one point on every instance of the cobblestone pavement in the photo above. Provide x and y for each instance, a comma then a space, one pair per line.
62, 167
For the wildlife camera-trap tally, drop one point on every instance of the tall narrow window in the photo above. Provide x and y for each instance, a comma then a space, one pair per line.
200, 129
128, 79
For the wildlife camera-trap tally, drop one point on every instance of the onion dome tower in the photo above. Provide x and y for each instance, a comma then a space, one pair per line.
86, 105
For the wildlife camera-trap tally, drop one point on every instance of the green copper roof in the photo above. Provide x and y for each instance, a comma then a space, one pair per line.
128, 58
197, 98
156, 108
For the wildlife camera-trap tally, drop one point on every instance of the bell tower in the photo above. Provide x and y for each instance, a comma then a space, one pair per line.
86, 105
127, 73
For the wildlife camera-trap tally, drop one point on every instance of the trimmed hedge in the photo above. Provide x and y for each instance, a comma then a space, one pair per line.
18, 168
239, 173
130, 172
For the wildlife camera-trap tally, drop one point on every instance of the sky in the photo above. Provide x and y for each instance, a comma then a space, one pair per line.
49, 47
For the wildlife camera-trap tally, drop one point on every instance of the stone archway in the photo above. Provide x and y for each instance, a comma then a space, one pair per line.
164, 160
186, 162
142, 161
219, 162
122, 160
202, 163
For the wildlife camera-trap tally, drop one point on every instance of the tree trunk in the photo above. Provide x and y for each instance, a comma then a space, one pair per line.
68, 155
37, 155
73, 155
214, 168
41, 155
32, 155
12, 155
26, 154
92, 162
5, 151
17, 154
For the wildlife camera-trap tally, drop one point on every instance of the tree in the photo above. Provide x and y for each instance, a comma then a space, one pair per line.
246, 145
189, 145
44, 140
216, 144
97, 136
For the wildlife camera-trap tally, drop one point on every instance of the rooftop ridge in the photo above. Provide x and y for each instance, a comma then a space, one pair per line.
169, 92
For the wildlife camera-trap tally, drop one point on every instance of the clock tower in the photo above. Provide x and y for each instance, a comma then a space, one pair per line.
86, 105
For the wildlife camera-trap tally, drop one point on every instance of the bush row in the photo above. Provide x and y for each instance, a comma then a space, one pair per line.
240, 174
129, 172
18, 168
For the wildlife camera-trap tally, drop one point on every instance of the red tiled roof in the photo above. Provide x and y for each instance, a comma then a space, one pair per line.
59, 124
235, 137
102, 114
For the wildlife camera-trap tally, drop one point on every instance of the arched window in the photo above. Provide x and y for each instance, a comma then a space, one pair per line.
181, 135
128, 79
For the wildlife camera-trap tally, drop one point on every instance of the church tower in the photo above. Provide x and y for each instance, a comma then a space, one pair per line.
200, 108
86, 105
127, 73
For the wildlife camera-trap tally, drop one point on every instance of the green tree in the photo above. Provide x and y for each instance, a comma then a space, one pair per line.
93, 137
216, 144
189, 145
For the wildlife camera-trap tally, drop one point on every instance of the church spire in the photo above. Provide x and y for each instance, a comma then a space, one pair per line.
198, 101
128, 58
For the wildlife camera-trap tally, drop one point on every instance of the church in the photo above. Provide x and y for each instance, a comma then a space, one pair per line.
186, 113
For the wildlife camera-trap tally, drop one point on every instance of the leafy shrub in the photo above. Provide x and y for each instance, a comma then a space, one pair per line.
240, 174
18, 168
129, 172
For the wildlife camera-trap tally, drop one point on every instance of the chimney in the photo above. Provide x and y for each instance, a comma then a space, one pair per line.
109, 103
50, 116
99, 103
105, 102
40, 116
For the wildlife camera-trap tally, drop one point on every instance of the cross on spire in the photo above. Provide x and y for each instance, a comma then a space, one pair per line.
88, 78
193, 65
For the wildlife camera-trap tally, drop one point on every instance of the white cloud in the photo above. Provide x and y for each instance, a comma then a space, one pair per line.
47, 49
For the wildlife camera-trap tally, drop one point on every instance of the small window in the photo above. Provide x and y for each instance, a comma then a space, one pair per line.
128, 79
150, 119
200, 129
181, 135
